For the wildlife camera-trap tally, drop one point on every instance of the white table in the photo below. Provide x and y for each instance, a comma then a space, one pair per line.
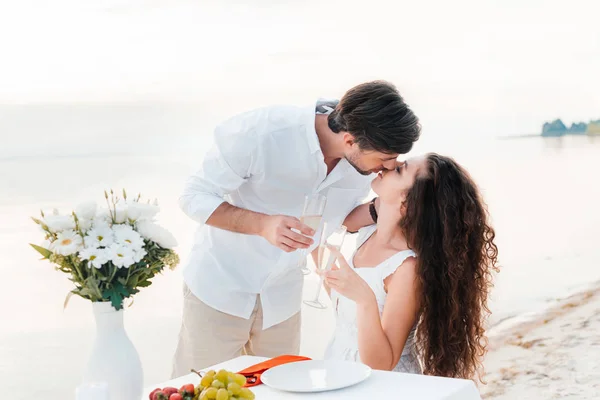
381, 384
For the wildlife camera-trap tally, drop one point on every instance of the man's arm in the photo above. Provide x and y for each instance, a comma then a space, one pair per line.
276, 229
227, 166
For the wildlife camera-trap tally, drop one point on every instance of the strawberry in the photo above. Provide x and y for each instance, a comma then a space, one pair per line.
152, 393
187, 389
176, 396
160, 396
169, 391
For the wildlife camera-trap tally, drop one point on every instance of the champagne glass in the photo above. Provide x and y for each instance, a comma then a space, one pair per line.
326, 258
314, 205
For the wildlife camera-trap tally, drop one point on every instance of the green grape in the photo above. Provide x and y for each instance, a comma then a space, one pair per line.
211, 393
246, 394
217, 384
222, 394
234, 388
203, 395
227, 380
221, 375
206, 380
211, 372
239, 379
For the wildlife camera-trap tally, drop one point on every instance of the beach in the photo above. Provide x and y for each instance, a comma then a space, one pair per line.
555, 356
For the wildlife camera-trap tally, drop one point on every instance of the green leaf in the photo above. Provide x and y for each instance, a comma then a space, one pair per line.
133, 281
145, 283
116, 295
100, 275
87, 293
92, 288
44, 252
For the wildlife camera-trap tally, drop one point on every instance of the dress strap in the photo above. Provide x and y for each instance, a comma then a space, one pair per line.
364, 234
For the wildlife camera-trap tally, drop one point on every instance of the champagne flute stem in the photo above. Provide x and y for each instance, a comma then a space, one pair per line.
319, 289
302, 257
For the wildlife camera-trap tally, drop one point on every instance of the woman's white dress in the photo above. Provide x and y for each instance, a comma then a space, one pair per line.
344, 344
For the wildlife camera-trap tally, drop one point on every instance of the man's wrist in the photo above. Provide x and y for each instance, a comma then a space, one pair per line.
261, 225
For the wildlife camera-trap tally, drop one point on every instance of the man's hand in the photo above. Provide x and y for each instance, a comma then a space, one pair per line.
277, 230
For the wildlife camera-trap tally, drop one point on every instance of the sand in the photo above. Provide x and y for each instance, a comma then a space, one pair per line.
554, 356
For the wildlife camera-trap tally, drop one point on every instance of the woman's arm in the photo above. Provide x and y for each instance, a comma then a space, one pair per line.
381, 340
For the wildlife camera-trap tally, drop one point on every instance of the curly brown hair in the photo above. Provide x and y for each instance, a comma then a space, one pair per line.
446, 224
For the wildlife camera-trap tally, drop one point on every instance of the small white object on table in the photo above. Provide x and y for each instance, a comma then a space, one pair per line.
381, 384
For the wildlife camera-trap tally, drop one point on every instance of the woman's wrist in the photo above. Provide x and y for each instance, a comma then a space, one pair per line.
368, 300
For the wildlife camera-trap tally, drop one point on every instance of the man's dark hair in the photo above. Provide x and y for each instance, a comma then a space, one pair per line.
378, 118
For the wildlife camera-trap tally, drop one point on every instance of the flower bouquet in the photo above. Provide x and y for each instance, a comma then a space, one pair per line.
108, 253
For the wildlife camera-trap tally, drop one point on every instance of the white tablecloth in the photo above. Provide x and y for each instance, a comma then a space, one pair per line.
381, 384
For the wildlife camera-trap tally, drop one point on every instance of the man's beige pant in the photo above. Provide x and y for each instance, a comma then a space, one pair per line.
210, 337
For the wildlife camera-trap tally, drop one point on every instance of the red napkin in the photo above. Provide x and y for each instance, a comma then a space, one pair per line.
254, 372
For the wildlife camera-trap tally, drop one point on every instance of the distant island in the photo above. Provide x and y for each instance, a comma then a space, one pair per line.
558, 128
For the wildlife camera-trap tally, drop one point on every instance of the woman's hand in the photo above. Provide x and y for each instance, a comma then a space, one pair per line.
344, 280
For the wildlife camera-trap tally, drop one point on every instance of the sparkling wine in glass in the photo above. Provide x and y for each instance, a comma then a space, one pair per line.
326, 258
314, 205
312, 220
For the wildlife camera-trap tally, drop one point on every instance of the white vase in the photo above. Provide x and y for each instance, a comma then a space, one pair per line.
114, 359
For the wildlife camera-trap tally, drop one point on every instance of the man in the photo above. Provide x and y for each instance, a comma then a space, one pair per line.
243, 287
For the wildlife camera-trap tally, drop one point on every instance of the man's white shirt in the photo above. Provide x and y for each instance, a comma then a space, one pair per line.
267, 161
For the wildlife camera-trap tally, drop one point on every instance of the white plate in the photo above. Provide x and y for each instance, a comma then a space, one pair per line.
315, 375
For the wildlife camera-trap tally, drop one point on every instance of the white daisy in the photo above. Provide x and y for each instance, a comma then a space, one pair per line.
121, 256
96, 257
66, 243
125, 235
155, 233
101, 236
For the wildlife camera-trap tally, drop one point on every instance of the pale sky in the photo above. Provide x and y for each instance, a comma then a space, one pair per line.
506, 63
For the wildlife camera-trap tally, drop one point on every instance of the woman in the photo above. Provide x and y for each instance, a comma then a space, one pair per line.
413, 296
